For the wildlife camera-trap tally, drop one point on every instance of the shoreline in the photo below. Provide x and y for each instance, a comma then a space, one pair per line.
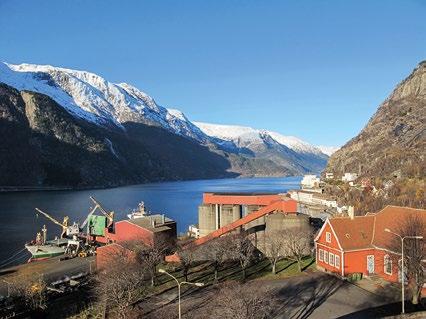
19, 189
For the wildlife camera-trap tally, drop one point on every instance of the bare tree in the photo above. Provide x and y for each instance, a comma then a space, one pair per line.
217, 251
414, 253
274, 247
120, 285
187, 256
242, 301
29, 292
150, 257
297, 244
243, 251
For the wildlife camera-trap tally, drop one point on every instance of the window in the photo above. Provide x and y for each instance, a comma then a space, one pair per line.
331, 259
337, 261
326, 257
388, 265
328, 237
321, 255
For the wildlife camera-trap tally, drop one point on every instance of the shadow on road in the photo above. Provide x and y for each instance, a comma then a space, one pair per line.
300, 300
392, 309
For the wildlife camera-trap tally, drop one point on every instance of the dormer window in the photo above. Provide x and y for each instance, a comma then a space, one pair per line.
328, 237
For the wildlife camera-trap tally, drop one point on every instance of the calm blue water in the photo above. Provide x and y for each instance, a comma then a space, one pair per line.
178, 200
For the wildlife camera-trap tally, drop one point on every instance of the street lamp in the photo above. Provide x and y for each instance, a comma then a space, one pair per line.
402, 262
198, 284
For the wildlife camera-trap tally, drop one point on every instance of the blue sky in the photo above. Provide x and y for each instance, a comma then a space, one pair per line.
314, 69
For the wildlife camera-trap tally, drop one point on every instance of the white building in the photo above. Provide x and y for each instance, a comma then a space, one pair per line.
349, 177
310, 181
193, 231
329, 175
312, 198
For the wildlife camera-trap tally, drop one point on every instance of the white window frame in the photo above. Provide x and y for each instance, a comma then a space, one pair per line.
321, 254
326, 256
328, 237
331, 259
387, 261
337, 261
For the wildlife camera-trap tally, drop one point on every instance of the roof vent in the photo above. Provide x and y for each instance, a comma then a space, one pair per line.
347, 236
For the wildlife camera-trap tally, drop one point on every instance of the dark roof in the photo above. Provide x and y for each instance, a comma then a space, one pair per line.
147, 222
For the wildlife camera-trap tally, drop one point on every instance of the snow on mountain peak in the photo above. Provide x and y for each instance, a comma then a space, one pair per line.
91, 97
246, 134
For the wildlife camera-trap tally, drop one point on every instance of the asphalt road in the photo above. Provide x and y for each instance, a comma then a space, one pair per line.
319, 296
49, 270
312, 295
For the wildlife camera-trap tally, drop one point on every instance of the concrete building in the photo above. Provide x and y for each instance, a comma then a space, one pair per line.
221, 209
310, 182
193, 231
257, 214
313, 198
349, 177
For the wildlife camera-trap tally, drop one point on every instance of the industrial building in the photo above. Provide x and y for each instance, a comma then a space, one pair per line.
222, 213
149, 230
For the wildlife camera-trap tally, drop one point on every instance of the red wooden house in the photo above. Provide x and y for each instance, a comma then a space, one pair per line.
360, 244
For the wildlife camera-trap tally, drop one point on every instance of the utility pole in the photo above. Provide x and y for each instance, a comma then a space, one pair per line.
402, 264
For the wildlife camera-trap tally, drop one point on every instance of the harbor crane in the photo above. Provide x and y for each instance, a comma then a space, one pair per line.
109, 216
63, 225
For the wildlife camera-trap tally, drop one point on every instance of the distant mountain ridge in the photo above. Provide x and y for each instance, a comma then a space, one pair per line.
137, 121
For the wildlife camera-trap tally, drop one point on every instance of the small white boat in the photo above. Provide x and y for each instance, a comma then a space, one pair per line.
140, 212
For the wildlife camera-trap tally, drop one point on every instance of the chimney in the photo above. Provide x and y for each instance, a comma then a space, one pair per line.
351, 212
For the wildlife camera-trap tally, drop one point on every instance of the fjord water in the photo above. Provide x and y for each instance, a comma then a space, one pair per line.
178, 200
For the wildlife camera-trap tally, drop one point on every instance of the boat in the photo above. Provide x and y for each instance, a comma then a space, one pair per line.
73, 240
40, 248
48, 250
139, 212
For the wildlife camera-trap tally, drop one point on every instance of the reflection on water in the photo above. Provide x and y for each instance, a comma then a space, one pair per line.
178, 200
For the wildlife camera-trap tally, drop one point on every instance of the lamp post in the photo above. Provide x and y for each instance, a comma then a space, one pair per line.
179, 283
402, 262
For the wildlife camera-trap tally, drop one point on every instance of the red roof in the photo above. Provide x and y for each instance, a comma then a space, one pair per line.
354, 233
368, 231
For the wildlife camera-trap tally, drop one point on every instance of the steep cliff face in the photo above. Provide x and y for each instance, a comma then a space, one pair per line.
44, 145
393, 142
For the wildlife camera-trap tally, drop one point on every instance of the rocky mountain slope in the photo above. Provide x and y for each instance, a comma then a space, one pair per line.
393, 142
74, 128
44, 145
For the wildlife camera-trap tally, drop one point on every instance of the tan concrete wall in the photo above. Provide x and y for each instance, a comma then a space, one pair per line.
280, 222
229, 214
206, 219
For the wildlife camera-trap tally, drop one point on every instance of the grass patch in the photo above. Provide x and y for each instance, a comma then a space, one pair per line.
285, 268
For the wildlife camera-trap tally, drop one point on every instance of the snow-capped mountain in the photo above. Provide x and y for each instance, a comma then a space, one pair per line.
94, 99
290, 151
244, 136
122, 124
